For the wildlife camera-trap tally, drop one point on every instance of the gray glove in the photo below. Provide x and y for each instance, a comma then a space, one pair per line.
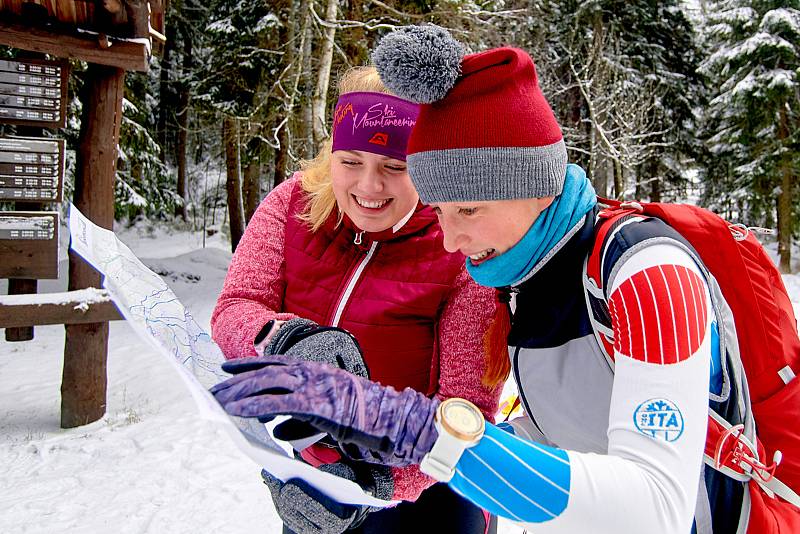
306, 510
306, 340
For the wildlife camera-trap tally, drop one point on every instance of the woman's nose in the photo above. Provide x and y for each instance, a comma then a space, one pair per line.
371, 181
453, 238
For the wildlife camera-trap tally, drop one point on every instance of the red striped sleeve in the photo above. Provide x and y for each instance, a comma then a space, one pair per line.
659, 314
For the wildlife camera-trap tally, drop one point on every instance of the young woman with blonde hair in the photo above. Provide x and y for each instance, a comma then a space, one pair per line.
346, 243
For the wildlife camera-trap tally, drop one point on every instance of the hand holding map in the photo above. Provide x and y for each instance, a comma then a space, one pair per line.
158, 317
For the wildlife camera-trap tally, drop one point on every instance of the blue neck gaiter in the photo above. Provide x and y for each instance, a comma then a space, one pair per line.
566, 211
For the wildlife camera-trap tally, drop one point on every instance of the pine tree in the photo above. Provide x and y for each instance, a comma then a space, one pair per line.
621, 77
235, 65
143, 185
754, 118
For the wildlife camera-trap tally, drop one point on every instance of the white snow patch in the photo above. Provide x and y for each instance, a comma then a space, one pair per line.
222, 26
84, 296
781, 18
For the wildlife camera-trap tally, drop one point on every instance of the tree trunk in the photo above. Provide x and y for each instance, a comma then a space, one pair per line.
319, 129
655, 181
251, 189
309, 150
288, 34
164, 102
282, 156
639, 186
184, 100
599, 176
356, 47
595, 136
83, 383
785, 218
619, 180
230, 139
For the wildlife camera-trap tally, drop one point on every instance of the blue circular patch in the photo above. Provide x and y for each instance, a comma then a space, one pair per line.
660, 419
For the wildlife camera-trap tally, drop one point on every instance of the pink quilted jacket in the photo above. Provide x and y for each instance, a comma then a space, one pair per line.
418, 316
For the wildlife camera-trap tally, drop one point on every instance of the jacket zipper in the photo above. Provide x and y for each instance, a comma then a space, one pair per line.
353, 280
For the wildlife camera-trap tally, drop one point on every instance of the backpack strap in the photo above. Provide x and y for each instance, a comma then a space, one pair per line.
728, 449
608, 220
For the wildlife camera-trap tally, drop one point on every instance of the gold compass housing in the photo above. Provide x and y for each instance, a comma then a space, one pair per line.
461, 419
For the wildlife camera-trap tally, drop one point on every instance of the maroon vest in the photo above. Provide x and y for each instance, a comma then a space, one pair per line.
389, 290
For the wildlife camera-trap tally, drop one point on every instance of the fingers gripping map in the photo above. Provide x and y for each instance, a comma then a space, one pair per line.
155, 313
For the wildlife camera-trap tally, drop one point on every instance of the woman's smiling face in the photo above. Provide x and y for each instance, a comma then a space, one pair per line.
374, 191
485, 229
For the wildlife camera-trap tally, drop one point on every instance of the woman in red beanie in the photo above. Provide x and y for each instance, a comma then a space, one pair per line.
346, 243
618, 354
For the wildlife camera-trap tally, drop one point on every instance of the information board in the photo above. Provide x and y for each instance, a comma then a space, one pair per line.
33, 92
31, 169
29, 244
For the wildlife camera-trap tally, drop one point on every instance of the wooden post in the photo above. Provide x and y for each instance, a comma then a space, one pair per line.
71, 307
83, 385
20, 286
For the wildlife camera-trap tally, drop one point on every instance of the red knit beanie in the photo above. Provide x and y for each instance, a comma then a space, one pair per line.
485, 130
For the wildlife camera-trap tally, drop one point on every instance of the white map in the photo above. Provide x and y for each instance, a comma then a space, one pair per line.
156, 314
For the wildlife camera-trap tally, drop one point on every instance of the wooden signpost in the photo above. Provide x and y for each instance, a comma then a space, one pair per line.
31, 169
29, 245
33, 93
111, 37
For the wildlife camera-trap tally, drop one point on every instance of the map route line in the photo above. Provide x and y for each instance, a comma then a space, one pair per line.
157, 316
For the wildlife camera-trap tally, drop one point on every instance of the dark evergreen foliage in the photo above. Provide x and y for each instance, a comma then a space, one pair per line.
638, 110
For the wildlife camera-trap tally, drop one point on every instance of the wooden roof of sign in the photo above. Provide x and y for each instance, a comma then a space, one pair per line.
118, 33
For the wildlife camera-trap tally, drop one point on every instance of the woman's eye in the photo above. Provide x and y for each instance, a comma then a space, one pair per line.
349, 162
394, 168
468, 211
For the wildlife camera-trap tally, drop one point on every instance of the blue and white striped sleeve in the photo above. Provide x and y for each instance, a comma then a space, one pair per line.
648, 478
514, 478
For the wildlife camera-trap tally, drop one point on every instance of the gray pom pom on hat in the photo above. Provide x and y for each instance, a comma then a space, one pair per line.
419, 63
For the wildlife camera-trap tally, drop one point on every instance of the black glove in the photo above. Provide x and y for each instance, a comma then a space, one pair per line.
306, 340
306, 510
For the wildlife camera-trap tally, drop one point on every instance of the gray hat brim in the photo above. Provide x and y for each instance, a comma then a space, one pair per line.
489, 173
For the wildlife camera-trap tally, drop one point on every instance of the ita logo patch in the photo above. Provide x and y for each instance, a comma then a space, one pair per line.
660, 419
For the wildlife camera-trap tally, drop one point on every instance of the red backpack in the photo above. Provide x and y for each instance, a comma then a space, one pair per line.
759, 321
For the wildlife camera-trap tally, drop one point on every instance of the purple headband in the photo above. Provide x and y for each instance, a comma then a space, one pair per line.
373, 122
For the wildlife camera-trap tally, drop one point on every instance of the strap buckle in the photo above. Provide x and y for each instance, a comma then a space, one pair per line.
736, 452
629, 206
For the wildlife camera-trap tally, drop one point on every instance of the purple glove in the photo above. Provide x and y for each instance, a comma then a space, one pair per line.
388, 427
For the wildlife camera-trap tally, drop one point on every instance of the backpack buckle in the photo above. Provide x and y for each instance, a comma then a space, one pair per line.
736, 452
630, 206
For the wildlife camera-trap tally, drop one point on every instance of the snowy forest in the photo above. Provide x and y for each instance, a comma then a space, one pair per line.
688, 101
661, 101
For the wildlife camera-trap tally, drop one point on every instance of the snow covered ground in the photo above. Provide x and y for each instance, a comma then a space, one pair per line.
150, 465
